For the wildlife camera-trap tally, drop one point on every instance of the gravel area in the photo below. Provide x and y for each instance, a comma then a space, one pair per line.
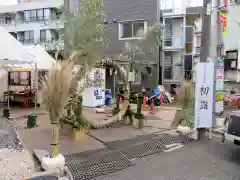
15, 165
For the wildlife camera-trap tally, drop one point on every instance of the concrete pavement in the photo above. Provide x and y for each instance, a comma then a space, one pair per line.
201, 160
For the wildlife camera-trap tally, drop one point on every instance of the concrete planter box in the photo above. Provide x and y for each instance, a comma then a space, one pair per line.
77, 134
138, 124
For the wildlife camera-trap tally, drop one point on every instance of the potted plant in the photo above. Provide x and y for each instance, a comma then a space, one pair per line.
74, 116
55, 96
138, 120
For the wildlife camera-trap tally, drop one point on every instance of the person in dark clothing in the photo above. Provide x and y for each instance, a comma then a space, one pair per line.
149, 93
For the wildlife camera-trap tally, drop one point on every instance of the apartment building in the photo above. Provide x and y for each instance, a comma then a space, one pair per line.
231, 44
122, 21
178, 18
35, 22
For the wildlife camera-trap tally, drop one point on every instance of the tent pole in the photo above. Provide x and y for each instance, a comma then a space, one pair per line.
36, 84
8, 102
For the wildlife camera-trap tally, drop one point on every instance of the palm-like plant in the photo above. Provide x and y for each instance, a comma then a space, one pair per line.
186, 97
56, 87
85, 33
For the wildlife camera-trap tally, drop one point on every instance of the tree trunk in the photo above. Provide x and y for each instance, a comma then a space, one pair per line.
54, 150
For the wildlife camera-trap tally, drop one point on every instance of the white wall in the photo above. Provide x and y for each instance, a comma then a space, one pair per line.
179, 4
233, 28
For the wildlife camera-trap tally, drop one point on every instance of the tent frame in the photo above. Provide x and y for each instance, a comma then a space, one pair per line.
35, 79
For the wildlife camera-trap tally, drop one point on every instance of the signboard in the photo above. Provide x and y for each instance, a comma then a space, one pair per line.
222, 19
204, 95
219, 67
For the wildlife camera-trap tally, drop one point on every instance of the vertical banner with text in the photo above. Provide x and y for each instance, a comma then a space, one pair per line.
219, 67
204, 95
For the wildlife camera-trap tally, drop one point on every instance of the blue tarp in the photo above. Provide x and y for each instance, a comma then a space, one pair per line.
108, 97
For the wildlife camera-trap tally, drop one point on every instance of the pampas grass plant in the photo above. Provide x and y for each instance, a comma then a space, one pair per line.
55, 95
185, 95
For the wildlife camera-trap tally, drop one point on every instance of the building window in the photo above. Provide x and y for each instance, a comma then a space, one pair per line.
47, 14
188, 48
30, 16
33, 15
40, 15
9, 20
130, 29
191, 18
36, 15
43, 35
28, 36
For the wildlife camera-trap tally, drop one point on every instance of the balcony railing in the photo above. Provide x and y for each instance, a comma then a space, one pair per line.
26, 41
40, 19
21, 20
49, 40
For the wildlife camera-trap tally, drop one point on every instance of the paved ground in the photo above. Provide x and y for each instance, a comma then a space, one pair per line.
40, 137
201, 160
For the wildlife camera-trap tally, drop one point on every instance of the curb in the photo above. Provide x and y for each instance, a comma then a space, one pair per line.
218, 131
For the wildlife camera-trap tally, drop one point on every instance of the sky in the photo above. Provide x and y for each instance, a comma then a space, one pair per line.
7, 2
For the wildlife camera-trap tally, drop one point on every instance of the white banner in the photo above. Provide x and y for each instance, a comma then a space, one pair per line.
204, 95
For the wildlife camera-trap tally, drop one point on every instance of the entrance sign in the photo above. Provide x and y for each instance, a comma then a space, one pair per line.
204, 95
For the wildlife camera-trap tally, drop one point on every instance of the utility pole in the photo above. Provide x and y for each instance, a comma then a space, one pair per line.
216, 39
206, 28
159, 50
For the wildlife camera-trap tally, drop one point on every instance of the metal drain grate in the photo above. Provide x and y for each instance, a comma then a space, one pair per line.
44, 178
182, 139
82, 156
129, 142
153, 145
144, 149
94, 166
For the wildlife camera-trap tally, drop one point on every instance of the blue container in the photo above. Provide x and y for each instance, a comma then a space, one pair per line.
156, 91
108, 97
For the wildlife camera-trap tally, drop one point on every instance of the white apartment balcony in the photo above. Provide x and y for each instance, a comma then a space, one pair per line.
173, 74
173, 67
21, 25
31, 6
31, 19
174, 34
178, 5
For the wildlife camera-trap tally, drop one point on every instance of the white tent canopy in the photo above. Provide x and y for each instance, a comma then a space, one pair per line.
12, 51
44, 60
